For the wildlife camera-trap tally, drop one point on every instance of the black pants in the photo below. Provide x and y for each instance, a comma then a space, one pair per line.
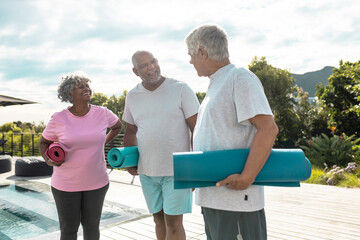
83, 207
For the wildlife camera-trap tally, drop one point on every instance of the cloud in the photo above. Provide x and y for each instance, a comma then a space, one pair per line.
16, 13
15, 68
42, 40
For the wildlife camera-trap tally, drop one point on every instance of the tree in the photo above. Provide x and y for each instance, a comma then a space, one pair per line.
116, 105
6, 127
280, 90
23, 127
312, 118
39, 128
200, 96
341, 98
113, 103
99, 99
304, 111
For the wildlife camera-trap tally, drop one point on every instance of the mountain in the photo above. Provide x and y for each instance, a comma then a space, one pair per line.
309, 80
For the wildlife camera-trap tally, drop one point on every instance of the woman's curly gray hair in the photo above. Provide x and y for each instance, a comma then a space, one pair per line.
67, 85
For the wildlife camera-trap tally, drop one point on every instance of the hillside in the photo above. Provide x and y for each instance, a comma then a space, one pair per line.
309, 80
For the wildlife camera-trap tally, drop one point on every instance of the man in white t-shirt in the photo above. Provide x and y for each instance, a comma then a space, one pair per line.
234, 114
160, 114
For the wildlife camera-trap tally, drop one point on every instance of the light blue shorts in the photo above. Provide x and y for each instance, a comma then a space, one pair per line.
160, 194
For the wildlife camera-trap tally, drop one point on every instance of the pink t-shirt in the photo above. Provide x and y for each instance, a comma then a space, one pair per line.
83, 139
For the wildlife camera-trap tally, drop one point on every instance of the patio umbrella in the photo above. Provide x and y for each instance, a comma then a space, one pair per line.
8, 101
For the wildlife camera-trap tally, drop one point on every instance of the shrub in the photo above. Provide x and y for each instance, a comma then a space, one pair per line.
336, 176
336, 150
344, 177
317, 177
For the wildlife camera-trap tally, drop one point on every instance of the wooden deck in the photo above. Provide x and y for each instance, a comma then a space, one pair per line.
313, 212
310, 212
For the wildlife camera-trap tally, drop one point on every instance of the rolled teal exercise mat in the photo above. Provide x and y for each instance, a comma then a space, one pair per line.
284, 167
123, 157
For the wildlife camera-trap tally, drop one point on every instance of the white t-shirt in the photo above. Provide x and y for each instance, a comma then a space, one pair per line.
234, 96
160, 119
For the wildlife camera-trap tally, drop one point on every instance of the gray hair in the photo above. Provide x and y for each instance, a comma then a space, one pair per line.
136, 54
212, 38
67, 85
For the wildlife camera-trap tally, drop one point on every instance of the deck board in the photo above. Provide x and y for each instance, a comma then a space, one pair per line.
311, 212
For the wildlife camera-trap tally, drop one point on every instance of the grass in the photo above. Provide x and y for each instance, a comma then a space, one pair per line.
336, 176
317, 177
351, 181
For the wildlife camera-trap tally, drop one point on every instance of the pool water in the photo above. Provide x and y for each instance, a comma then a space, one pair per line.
27, 210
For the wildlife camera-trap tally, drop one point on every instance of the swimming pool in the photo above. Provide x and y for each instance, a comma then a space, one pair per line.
27, 210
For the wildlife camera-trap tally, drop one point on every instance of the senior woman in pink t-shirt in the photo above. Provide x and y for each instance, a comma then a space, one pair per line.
80, 182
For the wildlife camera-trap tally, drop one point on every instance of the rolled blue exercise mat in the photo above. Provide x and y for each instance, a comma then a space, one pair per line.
284, 167
123, 157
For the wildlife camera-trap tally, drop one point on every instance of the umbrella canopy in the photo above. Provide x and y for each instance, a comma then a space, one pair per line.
8, 101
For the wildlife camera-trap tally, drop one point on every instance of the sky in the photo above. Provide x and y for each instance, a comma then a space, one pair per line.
41, 41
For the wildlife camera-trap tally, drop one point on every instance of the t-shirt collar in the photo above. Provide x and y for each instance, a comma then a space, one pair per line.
142, 88
220, 71
87, 114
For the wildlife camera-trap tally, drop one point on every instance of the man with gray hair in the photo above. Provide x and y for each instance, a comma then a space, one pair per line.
159, 114
234, 114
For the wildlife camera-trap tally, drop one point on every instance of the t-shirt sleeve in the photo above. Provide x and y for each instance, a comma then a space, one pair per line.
127, 117
49, 132
111, 118
249, 97
189, 101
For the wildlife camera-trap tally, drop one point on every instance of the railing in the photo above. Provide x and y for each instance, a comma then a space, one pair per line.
27, 144
21, 144
118, 141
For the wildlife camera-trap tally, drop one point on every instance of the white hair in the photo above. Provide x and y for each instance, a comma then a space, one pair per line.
212, 38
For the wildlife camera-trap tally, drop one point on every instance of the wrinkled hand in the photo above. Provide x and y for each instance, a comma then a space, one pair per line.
132, 170
51, 163
235, 182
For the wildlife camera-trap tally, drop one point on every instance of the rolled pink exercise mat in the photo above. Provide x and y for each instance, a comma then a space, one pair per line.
55, 152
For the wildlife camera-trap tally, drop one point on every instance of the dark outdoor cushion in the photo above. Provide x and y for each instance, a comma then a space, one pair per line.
32, 166
5, 164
